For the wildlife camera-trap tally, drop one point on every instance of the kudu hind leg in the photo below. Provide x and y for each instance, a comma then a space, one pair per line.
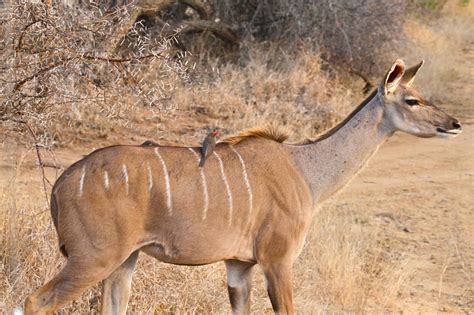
280, 287
239, 282
71, 281
116, 287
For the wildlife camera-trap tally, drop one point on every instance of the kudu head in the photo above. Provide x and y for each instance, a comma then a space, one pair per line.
407, 111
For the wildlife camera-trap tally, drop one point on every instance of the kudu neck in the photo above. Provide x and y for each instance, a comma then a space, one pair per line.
331, 161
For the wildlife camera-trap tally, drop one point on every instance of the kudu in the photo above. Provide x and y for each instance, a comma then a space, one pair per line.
251, 204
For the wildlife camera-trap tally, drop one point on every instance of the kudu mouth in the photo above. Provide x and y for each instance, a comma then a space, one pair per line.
448, 133
451, 129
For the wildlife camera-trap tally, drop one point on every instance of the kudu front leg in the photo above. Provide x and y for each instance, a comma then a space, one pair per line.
280, 287
116, 288
239, 283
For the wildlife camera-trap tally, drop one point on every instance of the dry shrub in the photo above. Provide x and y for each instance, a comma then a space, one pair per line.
61, 76
297, 95
56, 64
358, 34
62, 81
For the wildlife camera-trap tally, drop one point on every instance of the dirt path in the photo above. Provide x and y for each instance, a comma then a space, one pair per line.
422, 191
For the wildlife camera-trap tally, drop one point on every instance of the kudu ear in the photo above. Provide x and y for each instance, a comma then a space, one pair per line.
394, 76
410, 74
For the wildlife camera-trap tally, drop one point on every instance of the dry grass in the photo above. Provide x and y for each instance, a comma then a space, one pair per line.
346, 268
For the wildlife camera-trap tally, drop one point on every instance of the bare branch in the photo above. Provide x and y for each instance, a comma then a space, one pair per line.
219, 29
40, 163
20, 83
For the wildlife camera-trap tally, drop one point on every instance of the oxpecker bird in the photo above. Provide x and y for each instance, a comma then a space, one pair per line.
208, 146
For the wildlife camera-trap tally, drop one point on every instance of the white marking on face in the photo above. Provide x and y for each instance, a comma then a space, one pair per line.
125, 177
81, 181
167, 182
226, 183
203, 183
150, 176
410, 98
106, 180
246, 179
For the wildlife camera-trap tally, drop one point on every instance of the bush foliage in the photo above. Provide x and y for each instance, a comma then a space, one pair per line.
68, 57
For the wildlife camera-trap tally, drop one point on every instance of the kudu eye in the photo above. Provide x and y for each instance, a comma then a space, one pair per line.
412, 101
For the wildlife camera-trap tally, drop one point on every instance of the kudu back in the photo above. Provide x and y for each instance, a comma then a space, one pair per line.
252, 202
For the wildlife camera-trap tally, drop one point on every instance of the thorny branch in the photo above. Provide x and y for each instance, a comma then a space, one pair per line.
20, 83
87, 57
57, 63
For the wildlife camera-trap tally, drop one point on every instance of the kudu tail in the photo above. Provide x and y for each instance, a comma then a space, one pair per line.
54, 215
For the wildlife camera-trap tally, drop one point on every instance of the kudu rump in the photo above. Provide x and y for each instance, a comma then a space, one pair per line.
251, 204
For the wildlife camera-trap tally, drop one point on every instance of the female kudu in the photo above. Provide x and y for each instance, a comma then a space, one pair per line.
251, 204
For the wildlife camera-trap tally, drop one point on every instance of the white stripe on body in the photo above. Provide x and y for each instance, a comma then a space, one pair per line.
125, 177
106, 180
246, 179
150, 176
204, 184
167, 182
81, 181
226, 183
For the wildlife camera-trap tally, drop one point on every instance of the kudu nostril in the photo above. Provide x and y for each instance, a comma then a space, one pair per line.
455, 124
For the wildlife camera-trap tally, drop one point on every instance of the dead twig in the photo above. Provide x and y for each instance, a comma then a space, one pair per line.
40, 163
121, 60
46, 164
